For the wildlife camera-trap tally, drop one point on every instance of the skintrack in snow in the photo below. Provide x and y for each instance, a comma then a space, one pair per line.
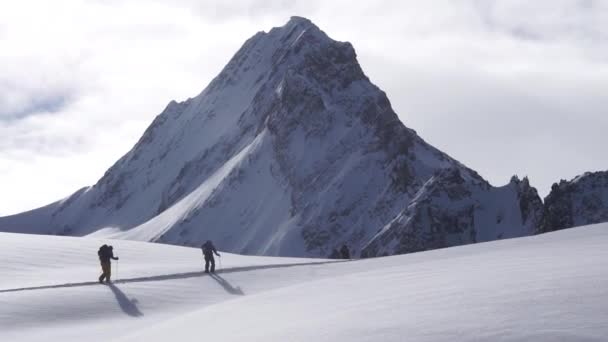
544, 288
290, 151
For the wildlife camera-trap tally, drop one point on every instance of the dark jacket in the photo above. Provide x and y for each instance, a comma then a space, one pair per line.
335, 254
344, 252
106, 253
209, 249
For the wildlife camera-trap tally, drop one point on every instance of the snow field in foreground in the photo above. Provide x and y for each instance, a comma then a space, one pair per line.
550, 287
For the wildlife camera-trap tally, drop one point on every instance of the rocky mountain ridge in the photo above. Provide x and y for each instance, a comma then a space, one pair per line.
291, 151
580, 201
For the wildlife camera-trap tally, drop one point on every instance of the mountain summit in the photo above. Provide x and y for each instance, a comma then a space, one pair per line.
290, 150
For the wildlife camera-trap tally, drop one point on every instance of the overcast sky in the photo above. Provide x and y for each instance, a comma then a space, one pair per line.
506, 87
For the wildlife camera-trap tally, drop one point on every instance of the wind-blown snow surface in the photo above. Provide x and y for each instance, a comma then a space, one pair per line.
291, 150
549, 287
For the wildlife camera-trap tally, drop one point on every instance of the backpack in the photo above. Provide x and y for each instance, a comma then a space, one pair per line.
102, 250
207, 248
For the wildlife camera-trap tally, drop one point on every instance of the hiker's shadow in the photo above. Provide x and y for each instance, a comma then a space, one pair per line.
227, 286
128, 306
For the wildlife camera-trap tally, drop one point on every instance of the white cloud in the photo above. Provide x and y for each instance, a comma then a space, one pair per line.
504, 86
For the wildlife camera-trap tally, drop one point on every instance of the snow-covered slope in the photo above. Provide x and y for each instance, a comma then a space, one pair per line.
453, 209
49, 285
581, 201
291, 151
548, 287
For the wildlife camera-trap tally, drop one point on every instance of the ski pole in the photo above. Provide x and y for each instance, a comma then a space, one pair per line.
220, 262
116, 270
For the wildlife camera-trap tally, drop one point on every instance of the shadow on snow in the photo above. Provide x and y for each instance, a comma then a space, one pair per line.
128, 306
220, 280
227, 286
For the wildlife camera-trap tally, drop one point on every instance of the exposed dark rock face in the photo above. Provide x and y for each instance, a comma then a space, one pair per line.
530, 203
581, 201
455, 208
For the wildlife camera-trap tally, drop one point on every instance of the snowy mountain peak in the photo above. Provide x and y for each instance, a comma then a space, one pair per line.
292, 151
298, 27
299, 21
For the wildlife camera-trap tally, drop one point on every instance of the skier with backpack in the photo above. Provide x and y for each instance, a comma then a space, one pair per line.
208, 251
345, 252
105, 254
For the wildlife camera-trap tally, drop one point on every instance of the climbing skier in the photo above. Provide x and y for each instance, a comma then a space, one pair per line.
344, 252
208, 251
334, 254
106, 253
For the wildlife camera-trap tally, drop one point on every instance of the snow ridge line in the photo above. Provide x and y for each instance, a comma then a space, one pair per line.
169, 276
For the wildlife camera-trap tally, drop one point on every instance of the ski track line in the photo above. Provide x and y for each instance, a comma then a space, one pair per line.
170, 276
